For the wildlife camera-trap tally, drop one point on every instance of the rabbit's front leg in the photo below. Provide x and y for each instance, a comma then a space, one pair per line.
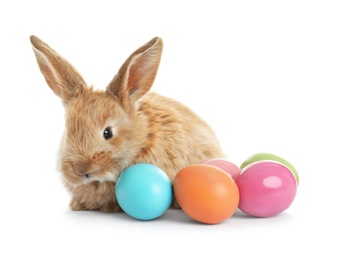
95, 196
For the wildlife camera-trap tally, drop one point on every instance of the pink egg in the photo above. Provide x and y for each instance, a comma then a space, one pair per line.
266, 188
230, 168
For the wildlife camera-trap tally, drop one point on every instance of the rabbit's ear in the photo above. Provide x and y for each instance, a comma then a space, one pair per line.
137, 74
60, 75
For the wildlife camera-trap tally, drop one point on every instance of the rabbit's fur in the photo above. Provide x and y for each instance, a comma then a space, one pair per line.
146, 127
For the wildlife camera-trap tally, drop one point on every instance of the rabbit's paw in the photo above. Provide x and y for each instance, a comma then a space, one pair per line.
76, 205
110, 207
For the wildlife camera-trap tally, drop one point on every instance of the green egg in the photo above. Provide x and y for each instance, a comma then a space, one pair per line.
270, 157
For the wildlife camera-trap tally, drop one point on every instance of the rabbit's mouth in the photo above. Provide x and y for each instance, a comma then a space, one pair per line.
101, 176
80, 173
78, 180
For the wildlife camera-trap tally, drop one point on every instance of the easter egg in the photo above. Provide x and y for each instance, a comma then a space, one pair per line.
144, 191
206, 193
270, 157
232, 169
266, 188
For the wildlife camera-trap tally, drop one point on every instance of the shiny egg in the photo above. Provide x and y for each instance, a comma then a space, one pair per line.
266, 188
206, 193
144, 191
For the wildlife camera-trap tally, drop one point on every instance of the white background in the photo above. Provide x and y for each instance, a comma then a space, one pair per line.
264, 74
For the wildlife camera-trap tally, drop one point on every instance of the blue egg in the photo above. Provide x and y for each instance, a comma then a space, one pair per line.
144, 191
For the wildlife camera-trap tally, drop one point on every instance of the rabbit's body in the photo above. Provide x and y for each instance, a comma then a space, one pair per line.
107, 131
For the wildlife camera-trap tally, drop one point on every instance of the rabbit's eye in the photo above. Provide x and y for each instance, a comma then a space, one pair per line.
107, 133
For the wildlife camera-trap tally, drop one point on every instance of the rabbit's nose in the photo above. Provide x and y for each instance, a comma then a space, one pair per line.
82, 167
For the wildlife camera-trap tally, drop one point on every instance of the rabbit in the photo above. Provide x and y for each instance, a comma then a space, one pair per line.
125, 124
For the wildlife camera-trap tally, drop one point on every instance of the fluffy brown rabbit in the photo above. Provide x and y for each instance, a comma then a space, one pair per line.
107, 131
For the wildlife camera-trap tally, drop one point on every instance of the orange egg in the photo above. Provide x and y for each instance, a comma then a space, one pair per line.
206, 193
